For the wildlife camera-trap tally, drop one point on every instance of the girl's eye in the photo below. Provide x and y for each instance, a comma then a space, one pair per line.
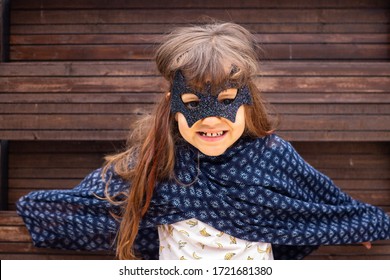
227, 101
227, 96
192, 104
190, 100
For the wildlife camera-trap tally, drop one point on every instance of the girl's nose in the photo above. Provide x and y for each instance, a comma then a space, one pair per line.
211, 121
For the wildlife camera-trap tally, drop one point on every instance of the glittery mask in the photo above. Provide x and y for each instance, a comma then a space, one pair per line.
209, 105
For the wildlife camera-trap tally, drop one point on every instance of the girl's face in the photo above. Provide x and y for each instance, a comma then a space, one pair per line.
212, 135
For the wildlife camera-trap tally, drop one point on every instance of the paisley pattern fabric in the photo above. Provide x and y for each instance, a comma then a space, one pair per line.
195, 240
259, 190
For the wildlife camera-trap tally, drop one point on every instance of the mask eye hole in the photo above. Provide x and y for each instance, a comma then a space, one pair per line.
190, 100
227, 96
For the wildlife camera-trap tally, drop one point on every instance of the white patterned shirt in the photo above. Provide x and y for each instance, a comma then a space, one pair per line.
194, 240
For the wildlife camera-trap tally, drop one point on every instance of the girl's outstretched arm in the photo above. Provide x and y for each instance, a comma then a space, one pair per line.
77, 219
332, 216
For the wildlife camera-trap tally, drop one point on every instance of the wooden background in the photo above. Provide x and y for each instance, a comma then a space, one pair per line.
77, 74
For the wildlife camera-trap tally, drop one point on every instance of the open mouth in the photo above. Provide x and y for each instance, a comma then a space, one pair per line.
212, 134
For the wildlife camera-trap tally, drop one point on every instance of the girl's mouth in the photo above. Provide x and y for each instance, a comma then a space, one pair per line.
214, 135
210, 134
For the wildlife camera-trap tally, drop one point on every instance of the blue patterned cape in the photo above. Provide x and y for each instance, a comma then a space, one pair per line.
258, 190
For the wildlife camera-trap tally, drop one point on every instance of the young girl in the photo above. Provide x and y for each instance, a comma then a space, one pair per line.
205, 177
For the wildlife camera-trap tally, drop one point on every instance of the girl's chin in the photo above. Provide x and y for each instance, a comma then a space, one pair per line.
212, 152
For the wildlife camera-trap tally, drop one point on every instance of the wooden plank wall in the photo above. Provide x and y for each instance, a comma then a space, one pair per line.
48, 165
127, 30
80, 74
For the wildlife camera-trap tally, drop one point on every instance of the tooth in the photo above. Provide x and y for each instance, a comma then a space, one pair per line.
212, 134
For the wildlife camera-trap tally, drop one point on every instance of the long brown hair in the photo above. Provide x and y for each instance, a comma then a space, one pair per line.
203, 53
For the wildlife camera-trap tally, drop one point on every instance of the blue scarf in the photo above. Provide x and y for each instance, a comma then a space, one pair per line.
258, 190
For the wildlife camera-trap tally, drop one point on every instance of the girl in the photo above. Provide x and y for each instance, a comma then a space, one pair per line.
206, 177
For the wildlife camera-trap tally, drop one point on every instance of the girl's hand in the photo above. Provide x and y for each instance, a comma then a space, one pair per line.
367, 245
